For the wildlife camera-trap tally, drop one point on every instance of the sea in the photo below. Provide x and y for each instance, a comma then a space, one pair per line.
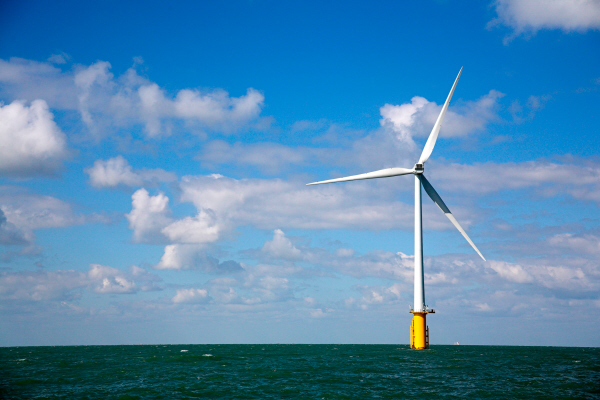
289, 371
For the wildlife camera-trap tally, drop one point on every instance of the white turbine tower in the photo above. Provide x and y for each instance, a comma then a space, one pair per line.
419, 338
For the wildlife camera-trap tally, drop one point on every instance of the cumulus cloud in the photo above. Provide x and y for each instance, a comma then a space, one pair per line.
243, 288
211, 110
217, 110
30, 141
579, 244
549, 276
31, 80
150, 214
68, 285
59, 58
377, 263
281, 247
117, 171
96, 76
22, 213
345, 252
191, 296
511, 272
525, 16
392, 145
113, 172
41, 285
548, 178
105, 101
224, 204
151, 221
375, 295
184, 256
416, 119
253, 287
459, 279
378, 149
109, 280
9, 234
270, 204
321, 312
202, 228
533, 104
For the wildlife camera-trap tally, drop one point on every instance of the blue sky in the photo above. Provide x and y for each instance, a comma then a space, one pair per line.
153, 161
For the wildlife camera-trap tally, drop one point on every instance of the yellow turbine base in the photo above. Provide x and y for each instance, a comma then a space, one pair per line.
419, 331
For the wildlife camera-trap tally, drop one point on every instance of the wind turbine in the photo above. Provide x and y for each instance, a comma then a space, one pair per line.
419, 337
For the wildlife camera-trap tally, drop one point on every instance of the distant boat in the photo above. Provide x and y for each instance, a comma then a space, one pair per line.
456, 343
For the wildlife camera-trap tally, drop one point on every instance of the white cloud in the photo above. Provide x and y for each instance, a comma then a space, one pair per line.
254, 287
532, 15
191, 296
548, 178
9, 233
30, 141
376, 295
30, 80
416, 119
578, 244
212, 110
150, 214
154, 107
67, 285
550, 276
87, 80
321, 313
392, 145
191, 256
281, 247
217, 110
41, 285
109, 280
113, 172
178, 257
271, 204
23, 213
521, 113
344, 252
199, 229
60, 58
117, 171
271, 288
378, 263
104, 101
511, 272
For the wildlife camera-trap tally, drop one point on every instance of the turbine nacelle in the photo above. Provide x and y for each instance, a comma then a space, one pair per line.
418, 169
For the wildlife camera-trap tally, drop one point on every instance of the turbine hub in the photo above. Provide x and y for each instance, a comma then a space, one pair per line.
419, 168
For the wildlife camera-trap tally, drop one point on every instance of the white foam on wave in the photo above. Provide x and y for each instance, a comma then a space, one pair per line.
184, 351
207, 355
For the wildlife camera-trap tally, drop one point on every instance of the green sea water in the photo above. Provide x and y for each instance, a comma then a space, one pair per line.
298, 372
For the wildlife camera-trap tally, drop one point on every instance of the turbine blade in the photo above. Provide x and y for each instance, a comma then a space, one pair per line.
438, 200
438, 124
382, 173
